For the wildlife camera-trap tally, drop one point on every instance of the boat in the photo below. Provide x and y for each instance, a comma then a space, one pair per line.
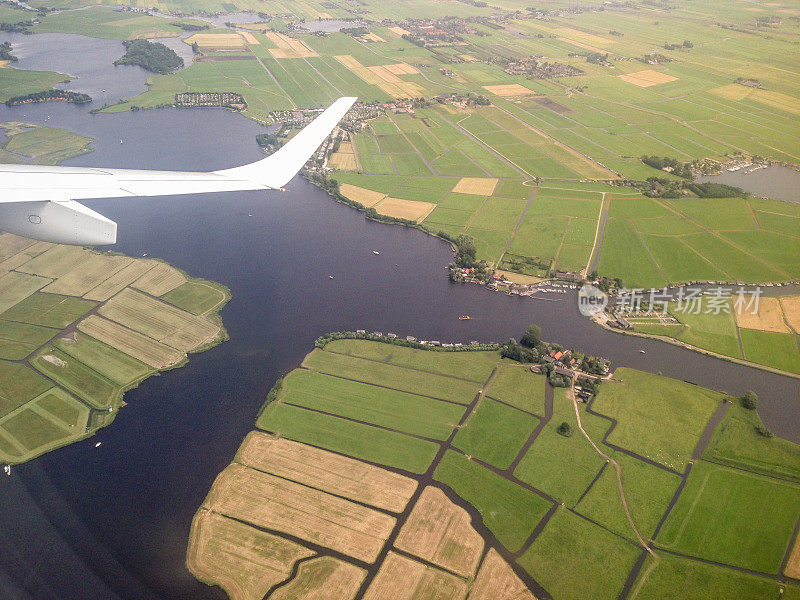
98, 444
464, 318
7, 469
641, 351
375, 252
330, 276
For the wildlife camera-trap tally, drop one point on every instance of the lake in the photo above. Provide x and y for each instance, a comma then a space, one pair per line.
113, 522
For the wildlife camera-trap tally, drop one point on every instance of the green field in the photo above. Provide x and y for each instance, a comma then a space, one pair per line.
764, 510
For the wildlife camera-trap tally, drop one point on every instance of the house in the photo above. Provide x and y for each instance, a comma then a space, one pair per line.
565, 372
624, 323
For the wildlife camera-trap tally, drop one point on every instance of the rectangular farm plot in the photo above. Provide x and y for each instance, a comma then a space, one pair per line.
49, 310
242, 560
55, 262
132, 343
217, 40
92, 270
402, 578
120, 280
646, 78
517, 386
76, 377
18, 340
399, 208
390, 376
399, 411
322, 577
791, 309
480, 186
109, 362
288, 47
159, 280
18, 384
327, 471
362, 195
161, 321
736, 518
496, 579
15, 287
767, 317
270, 502
441, 533
508, 89
349, 437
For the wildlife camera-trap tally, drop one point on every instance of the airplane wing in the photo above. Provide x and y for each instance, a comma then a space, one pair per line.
39, 201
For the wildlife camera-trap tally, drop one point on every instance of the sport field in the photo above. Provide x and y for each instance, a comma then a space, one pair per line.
659, 418
765, 511
509, 511
574, 558
45, 402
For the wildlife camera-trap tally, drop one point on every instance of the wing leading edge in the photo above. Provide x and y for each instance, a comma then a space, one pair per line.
39, 201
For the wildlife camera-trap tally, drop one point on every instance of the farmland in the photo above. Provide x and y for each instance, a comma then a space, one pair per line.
505, 496
64, 368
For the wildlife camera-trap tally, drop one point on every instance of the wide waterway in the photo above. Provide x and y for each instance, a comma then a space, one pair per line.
86, 522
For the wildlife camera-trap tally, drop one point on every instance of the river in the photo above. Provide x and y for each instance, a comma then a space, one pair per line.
86, 522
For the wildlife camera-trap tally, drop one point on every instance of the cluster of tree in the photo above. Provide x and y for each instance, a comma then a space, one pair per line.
564, 429
5, 52
529, 349
74, 97
597, 58
268, 141
749, 400
681, 169
417, 41
152, 56
615, 32
660, 187
656, 58
478, 3
20, 27
716, 190
685, 44
354, 31
191, 26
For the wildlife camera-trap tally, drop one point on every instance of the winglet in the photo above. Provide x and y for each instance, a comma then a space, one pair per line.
276, 170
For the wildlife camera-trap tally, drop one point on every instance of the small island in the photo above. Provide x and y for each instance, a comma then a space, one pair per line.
47, 95
41, 145
79, 328
152, 56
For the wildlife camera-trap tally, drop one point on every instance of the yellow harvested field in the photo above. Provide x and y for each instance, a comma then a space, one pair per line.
791, 309
481, 186
216, 40
399, 31
324, 470
580, 45
372, 37
343, 161
441, 533
260, 27
20, 258
793, 565
57, 261
249, 37
519, 277
93, 270
288, 47
496, 581
15, 287
322, 578
358, 194
768, 317
159, 280
647, 78
401, 578
400, 208
467, 58
242, 560
120, 280
777, 100
160, 321
150, 34
732, 91
132, 343
4, 64
384, 77
273, 503
508, 89
401, 69
11, 244
582, 36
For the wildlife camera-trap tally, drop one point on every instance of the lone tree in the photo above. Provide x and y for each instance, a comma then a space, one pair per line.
564, 429
532, 336
750, 400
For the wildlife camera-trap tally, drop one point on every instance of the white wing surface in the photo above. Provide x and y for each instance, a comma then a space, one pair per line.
40, 202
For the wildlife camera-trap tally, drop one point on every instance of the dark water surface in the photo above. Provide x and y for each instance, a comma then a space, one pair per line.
777, 182
86, 522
